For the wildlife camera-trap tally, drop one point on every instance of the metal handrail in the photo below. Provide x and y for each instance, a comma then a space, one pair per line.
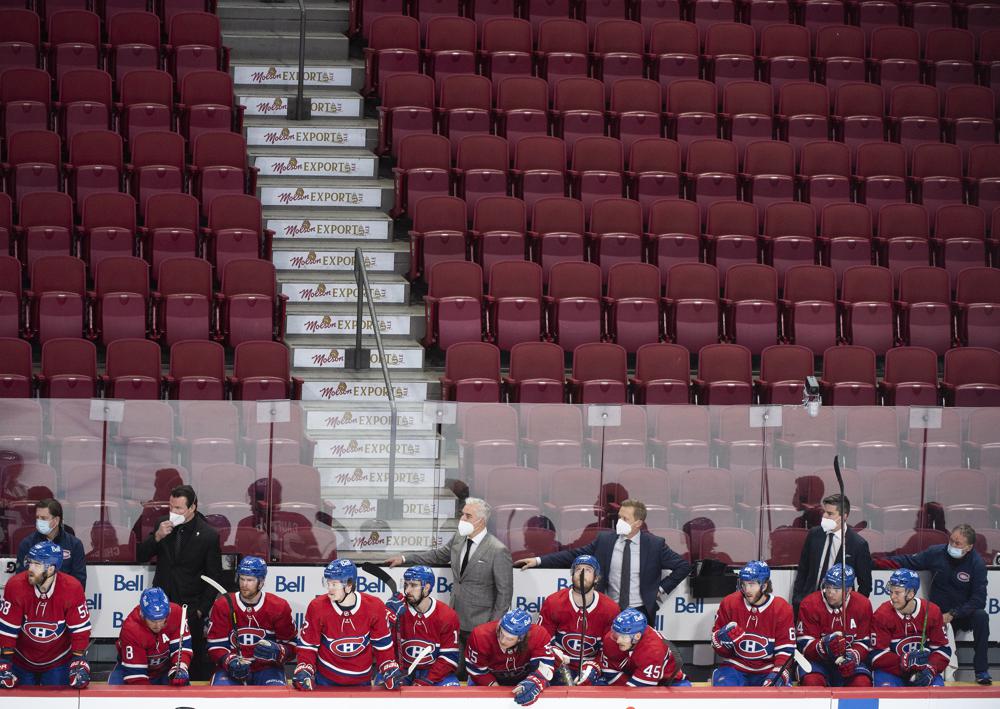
300, 110
365, 294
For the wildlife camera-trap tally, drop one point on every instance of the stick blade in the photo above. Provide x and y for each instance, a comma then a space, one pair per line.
381, 574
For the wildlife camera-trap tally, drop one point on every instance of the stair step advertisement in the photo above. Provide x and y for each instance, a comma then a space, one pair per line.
348, 74
274, 104
317, 165
302, 194
342, 292
376, 228
373, 479
325, 421
335, 357
361, 390
344, 448
349, 509
309, 134
332, 260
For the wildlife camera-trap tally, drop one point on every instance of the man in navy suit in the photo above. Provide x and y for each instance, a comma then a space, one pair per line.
635, 561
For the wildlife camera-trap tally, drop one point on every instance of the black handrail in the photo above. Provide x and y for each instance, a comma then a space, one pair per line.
300, 108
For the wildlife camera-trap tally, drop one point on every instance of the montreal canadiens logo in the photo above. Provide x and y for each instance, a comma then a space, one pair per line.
963, 576
412, 648
348, 647
908, 644
572, 642
42, 632
249, 636
753, 647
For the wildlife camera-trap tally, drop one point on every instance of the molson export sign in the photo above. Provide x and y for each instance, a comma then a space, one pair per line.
352, 508
318, 166
341, 292
319, 357
428, 508
320, 197
361, 420
257, 75
278, 106
387, 540
377, 448
345, 325
320, 135
375, 476
364, 390
331, 260
355, 229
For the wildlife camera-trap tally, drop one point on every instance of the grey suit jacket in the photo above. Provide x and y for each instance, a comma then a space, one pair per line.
483, 593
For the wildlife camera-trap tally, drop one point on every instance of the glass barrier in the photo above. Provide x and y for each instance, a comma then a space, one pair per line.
298, 486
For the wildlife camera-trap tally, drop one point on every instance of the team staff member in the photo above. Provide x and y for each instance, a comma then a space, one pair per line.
635, 561
186, 547
49, 528
958, 588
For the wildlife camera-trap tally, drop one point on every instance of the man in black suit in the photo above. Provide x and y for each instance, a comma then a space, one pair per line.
822, 550
635, 561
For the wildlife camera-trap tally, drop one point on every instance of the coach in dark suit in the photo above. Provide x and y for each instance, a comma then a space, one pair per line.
632, 562
822, 550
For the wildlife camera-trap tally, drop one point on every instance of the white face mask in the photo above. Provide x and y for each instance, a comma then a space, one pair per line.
43, 526
465, 527
955, 552
623, 528
828, 524
176, 519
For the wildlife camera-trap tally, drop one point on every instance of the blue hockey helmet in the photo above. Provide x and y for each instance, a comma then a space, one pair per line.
342, 570
837, 575
629, 622
516, 622
423, 574
906, 578
252, 566
47, 554
757, 571
153, 604
587, 560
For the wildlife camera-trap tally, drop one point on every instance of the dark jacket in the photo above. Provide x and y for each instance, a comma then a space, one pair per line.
654, 557
181, 562
958, 585
75, 566
858, 556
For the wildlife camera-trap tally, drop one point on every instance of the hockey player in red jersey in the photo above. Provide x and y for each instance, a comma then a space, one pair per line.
577, 618
343, 635
151, 649
836, 640
754, 634
44, 624
909, 641
250, 634
635, 655
424, 629
511, 652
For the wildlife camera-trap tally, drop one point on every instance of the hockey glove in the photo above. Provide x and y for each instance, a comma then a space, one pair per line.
267, 651
832, 646
79, 674
923, 678
527, 692
303, 676
777, 679
179, 676
237, 666
916, 660
589, 672
389, 674
848, 663
396, 604
727, 635
8, 680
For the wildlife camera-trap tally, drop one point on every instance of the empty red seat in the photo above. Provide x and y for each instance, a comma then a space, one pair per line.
937, 176
471, 373
498, 230
514, 303
393, 48
825, 173
950, 55
251, 307
970, 116
57, 297
984, 176
156, 165
633, 305
21, 37
85, 101
450, 48
785, 50
261, 370
195, 44
539, 168
15, 372
769, 173
783, 372
219, 166
26, 97
881, 174
578, 109
866, 307
236, 230
147, 102
522, 108
438, 234
724, 375
562, 46
69, 369
208, 105
654, 167
197, 370
133, 40
903, 237
636, 110
74, 41
747, 112
960, 238
453, 304
107, 227
554, 436
846, 234
617, 49
481, 170
536, 373
910, 377
810, 307
33, 163
731, 234
95, 164
558, 228
600, 374
712, 169
730, 48
132, 369
858, 113
803, 113
506, 48
751, 301
692, 304
422, 170
673, 234
615, 233
977, 300
840, 51
674, 49
183, 300
925, 308
574, 304
45, 226
971, 377
894, 53
121, 304
464, 107
915, 115
662, 374
848, 376
171, 228
691, 109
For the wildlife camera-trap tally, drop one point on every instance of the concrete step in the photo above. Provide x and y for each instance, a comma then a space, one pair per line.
345, 73
297, 197
270, 45
324, 133
272, 102
339, 165
310, 361
394, 321
247, 15
325, 257
340, 288
329, 227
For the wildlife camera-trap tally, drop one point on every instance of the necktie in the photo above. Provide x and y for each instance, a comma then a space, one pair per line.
465, 559
623, 585
826, 560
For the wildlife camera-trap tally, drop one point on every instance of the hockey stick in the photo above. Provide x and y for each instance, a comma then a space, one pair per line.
583, 633
225, 594
843, 536
418, 659
180, 637
382, 575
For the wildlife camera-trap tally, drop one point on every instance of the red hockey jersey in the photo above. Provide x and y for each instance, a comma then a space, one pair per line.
45, 628
488, 664
894, 634
768, 638
563, 618
647, 664
270, 619
437, 629
345, 641
145, 655
817, 619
